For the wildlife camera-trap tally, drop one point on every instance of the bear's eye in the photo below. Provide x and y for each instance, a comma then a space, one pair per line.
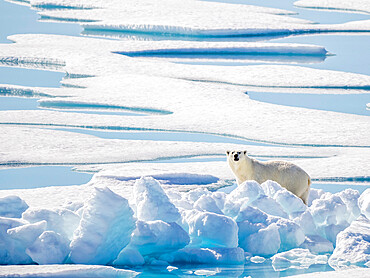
239, 153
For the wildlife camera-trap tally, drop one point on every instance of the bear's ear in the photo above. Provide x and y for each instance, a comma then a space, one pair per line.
245, 152
227, 152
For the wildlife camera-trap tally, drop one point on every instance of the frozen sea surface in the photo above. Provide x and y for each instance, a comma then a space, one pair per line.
180, 132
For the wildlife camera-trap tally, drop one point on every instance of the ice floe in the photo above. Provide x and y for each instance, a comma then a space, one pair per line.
352, 6
154, 238
185, 18
297, 258
201, 99
179, 18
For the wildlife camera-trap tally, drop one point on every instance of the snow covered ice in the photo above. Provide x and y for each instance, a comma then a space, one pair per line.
12, 206
353, 245
162, 233
104, 230
297, 258
152, 202
360, 6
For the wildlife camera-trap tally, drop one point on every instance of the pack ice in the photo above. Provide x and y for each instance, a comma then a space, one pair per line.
165, 226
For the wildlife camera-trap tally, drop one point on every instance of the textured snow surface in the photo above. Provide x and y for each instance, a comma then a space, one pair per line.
107, 229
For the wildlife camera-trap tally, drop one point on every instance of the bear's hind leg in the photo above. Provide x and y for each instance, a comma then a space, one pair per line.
304, 196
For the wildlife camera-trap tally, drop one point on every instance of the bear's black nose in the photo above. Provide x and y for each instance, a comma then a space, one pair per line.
236, 158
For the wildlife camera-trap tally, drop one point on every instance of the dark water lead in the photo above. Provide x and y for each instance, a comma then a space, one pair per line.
41, 176
346, 103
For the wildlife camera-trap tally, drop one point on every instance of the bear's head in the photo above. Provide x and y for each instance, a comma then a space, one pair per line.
235, 156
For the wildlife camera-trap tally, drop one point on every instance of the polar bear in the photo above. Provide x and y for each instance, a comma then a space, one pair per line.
285, 173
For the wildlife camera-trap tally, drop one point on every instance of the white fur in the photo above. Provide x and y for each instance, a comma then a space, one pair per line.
288, 175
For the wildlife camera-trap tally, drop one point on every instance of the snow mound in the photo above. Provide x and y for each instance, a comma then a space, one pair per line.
364, 203
330, 214
242, 196
352, 245
207, 229
152, 202
350, 198
12, 206
17, 240
129, 257
105, 229
158, 237
62, 221
207, 203
49, 248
